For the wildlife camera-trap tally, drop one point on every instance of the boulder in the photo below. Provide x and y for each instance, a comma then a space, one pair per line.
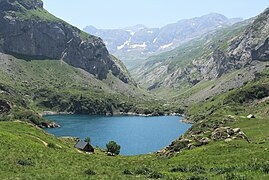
222, 133
236, 130
204, 140
250, 116
5, 106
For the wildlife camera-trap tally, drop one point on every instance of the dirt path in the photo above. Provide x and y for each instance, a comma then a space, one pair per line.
44, 142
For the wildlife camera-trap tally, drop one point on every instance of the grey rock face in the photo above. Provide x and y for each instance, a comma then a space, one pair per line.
35, 38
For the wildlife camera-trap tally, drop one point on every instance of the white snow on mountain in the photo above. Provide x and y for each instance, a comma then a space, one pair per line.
166, 46
134, 46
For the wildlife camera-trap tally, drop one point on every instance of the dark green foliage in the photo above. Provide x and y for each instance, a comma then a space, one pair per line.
155, 175
52, 145
149, 173
196, 177
27, 115
127, 172
25, 163
232, 176
179, 169
113, 147
90, 172
142, 171
265, 168
87, 139
249, 93
195, 169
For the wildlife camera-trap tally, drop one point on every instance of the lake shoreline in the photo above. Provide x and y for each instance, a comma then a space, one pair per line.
48, 113
136, 134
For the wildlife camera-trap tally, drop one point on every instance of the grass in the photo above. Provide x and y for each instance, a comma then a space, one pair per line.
24, 156
52, 85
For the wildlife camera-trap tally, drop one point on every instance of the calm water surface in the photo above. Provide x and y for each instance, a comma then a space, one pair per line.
135, 134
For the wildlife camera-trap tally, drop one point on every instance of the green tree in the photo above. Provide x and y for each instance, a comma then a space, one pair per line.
87, 139
113, 147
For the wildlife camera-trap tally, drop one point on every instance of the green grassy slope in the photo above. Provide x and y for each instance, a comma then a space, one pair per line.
25, 156
52, 85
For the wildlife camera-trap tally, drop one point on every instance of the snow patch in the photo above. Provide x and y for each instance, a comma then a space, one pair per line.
124, 44
134, 46
166, 46
150, 32
154, 41
131, 32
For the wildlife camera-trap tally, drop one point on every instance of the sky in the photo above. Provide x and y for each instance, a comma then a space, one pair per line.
112, 14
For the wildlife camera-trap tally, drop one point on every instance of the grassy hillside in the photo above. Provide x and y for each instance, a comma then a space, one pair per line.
29, 153
52, 85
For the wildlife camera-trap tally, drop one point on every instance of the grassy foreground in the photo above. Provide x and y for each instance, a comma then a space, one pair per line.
24, 155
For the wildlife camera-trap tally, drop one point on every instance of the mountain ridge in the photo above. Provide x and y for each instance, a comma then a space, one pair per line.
139, 42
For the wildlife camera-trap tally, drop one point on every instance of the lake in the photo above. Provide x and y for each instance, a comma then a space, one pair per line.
135, 134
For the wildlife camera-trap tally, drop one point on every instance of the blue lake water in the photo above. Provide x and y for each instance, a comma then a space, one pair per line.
136, 134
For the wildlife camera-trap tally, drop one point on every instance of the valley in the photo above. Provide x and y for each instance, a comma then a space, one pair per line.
216, 77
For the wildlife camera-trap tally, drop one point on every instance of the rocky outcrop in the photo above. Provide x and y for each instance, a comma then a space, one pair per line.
192, 141
5, 106
252, 44
29, 35
210, 57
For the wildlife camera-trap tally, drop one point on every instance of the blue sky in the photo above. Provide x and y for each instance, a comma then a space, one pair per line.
152, 13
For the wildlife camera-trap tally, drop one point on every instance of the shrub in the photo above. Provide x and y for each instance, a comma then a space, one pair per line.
196, 178
155, 175
52, 145
127, 172
25, 163
87, 139
265, 168
90, 172
232, 176
113, 147
179, 169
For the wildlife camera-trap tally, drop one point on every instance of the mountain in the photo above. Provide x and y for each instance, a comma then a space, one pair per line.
139, 42
47, 64
29, 30
241, 47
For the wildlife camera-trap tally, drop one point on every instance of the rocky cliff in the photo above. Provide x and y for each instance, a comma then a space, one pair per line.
29, 32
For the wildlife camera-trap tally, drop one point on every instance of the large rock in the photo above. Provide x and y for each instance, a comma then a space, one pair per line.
29, 36
5, 106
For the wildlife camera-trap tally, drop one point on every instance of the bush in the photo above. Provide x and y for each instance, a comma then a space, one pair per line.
265, 168
179, 169
155, 175
127, 172
232, 176
87, 139
142, 171
90, 172
113, 147
25, 163
196, 178
52, 145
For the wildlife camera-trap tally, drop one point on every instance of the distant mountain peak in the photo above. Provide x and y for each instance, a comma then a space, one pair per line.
135, 28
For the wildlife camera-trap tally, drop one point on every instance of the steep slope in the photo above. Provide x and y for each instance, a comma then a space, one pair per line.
49, 65
187, 64
139, 42
242, 45
29, 31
